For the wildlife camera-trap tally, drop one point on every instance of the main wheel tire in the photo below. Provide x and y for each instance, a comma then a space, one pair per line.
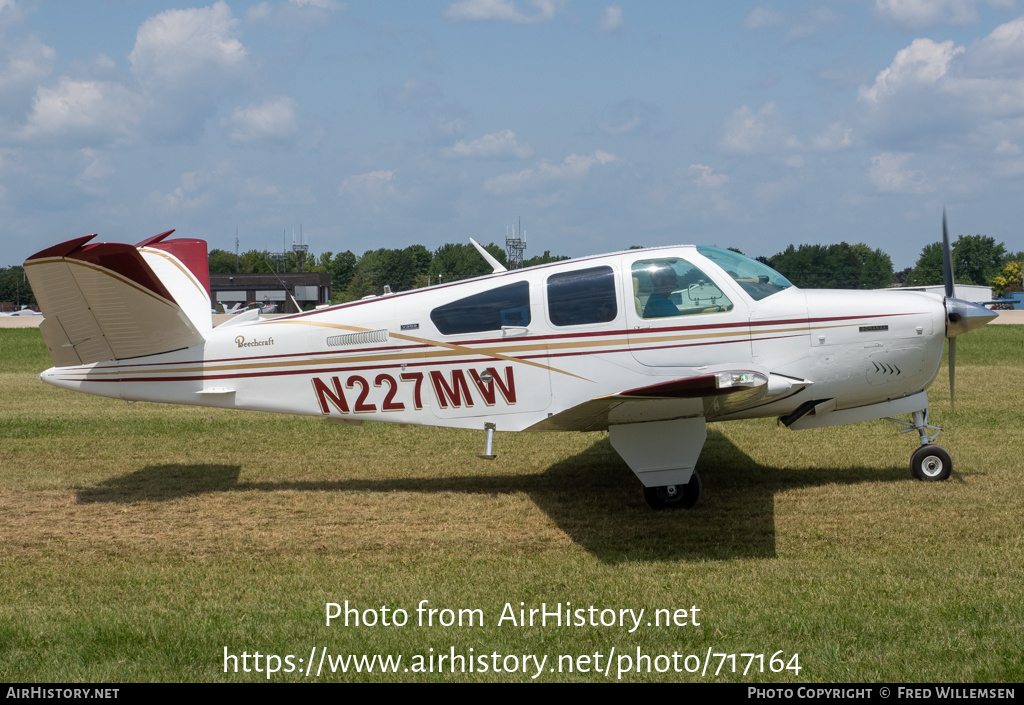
931, 463
674, 496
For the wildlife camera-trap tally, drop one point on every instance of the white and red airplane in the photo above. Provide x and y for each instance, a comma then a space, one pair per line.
650, 345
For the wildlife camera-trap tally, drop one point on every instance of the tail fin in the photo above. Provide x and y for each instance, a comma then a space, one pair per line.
112, 301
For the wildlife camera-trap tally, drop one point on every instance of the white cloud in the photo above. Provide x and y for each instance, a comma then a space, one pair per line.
272, 120
24, 64
179, 46
9, 12
761, 17
191, 194
611, 20
502, 11
707, 178
917, 14
186, 62
319, 4
573, 167
1001, 52
923, 63
763, 132
889, 174
936, 90
495, 145
834, 138
90, 112
183, 64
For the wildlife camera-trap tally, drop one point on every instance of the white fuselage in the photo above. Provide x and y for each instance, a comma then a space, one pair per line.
422, 358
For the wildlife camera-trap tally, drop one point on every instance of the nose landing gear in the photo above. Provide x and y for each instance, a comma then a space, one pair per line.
929, 462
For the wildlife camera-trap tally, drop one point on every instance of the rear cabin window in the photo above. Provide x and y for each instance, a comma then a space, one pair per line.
583, 296
490, 310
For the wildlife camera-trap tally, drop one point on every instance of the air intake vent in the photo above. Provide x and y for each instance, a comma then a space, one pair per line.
365, 338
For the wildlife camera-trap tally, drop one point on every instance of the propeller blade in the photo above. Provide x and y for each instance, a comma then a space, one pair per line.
952, 374
947, 259
947, 280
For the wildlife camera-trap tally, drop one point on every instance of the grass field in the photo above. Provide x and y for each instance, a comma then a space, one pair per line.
137, 543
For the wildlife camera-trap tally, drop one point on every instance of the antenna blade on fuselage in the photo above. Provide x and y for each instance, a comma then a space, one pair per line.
495, 264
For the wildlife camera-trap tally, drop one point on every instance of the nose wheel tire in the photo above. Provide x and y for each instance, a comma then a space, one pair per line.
674, 496
931, 463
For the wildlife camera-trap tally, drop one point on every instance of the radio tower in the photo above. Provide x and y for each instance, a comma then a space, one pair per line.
515, 246
300, 250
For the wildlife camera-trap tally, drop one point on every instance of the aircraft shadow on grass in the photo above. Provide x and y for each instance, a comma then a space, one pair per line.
592, 497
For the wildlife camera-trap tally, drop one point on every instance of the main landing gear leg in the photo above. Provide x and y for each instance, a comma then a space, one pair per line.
663, 455
929, 462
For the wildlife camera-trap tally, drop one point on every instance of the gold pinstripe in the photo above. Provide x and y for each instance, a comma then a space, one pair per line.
177, 263
453, 349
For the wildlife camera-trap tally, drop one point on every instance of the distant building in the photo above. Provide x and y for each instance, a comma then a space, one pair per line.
310, 289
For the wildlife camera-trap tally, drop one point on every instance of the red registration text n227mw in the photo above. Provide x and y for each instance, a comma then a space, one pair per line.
356, 394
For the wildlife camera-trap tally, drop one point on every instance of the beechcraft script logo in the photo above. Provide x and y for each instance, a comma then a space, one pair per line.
458, 389
241, 342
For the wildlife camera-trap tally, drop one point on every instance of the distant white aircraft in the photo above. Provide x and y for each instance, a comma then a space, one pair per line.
23, 311
262, 307
231, 310
649, 344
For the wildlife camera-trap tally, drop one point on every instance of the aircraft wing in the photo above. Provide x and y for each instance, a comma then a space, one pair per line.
708, 392
104, 302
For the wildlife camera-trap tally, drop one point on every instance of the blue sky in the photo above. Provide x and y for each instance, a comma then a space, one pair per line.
601, 124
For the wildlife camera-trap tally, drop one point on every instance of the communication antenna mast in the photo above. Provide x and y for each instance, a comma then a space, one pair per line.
281, 257
515, 246
300, 250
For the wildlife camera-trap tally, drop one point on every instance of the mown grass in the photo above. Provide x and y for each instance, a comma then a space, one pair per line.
136, 543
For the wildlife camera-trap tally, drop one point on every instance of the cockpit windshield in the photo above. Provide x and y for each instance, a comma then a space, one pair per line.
758, 280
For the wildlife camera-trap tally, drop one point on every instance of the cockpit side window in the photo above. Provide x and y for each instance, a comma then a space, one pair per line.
670, 286
489, 310
583, 296
756, 279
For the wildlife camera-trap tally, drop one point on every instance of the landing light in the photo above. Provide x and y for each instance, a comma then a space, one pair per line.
724, 380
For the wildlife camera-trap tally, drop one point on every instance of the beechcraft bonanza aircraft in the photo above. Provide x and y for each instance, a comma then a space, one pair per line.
648, 344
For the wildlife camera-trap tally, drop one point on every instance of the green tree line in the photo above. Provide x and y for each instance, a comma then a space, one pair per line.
353, 277
14, 288
977, 259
